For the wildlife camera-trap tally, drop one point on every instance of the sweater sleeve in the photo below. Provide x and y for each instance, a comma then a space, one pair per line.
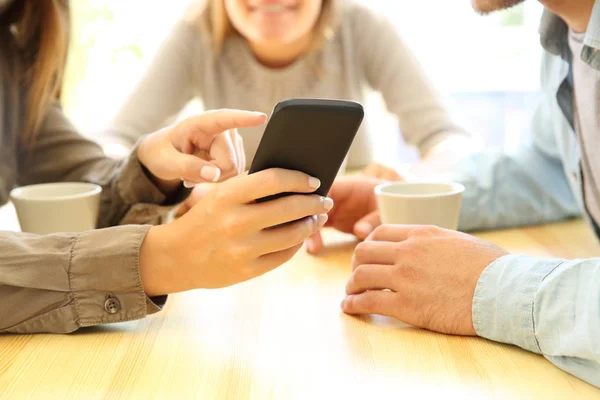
166, 87
60, 154
391, 68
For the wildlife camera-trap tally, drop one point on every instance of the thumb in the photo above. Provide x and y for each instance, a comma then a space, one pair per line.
194, 170
367, 224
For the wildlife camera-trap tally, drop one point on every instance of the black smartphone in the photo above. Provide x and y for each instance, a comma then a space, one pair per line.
309, 135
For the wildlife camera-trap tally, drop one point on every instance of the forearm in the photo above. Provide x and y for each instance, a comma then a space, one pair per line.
60, 154
443, 152
59, 283
505, 190
547, 306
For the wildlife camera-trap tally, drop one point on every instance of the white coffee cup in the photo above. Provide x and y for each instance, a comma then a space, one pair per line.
57, 207
420, 203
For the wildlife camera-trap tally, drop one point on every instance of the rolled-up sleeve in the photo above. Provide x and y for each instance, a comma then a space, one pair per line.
59, 283
544, 305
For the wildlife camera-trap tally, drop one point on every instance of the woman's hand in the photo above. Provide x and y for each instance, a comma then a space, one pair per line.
206, 148
227, 237
197, 193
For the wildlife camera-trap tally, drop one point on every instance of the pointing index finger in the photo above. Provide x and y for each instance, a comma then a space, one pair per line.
201, 129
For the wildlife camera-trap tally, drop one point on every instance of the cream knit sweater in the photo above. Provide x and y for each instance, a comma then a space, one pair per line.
364, 53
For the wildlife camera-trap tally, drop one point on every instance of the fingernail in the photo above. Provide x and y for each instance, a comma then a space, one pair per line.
310, 245
188, 184
322, 219
364, 228
314, 183
260, 114
210, 173
327, 203
343, 303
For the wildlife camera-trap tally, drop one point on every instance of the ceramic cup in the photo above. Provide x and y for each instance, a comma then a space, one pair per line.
425, 203
57, 207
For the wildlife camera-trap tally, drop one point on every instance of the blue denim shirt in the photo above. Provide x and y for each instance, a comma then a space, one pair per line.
547, 306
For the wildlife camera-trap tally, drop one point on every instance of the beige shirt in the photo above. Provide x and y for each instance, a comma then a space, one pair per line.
58, 283
365, 53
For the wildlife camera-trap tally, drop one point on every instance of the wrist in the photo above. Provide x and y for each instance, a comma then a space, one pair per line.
154, 262
166, 186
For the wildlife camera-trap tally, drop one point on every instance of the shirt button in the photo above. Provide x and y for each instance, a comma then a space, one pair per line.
112, 305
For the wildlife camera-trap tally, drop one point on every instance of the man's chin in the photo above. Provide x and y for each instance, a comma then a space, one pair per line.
488, 6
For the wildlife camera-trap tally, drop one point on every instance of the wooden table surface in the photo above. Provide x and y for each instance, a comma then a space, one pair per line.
282, 336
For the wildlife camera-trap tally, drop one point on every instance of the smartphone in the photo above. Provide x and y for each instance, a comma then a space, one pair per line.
309, 135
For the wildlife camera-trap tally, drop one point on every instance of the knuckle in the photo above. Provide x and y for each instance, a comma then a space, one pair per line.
191, 169
369, 303
424, 230
222, 120
400, 250
351, 304
309, 205
239, 255
409, 274
294, 202
378, 232
360, 273
360, 252
272, 178
232, 225
405, 252
351, 284
221, 194
227, 164
302, 231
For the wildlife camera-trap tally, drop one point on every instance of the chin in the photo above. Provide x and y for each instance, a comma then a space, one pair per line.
273, 34
488, 6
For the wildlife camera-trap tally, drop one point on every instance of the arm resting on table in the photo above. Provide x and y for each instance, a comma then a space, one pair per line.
59, 283
503, 190
547, 306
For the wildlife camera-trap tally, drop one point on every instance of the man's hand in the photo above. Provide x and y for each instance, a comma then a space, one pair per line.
422, 275
355, 209
381, 171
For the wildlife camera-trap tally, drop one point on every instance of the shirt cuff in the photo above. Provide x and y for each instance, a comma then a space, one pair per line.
135, 185
104, 276
503, 303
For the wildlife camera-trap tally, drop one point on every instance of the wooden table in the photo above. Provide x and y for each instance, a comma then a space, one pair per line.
282, 336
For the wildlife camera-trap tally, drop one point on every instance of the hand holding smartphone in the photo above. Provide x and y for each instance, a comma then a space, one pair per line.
309, 135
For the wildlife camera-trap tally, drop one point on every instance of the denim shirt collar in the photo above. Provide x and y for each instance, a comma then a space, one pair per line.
554, 37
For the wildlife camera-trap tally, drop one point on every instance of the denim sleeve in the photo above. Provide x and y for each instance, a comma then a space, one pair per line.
526, 187
547, 306
503, 190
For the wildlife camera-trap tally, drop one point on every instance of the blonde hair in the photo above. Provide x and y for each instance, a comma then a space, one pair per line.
40, 28
213, 17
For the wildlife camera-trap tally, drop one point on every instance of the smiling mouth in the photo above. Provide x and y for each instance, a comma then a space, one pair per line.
272, 8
